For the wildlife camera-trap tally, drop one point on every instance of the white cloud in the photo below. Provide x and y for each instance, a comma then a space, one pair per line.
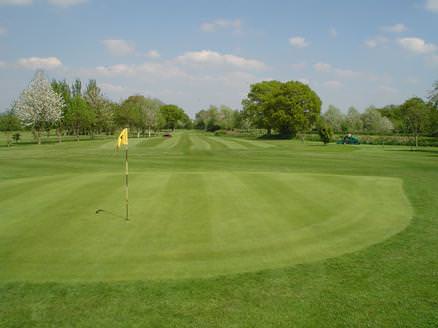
375, 42
40, 63
160, 70
333, 33
153, 54
396, 28
417, 45
322, 67
66, 3
118, 47
15, 2
333, 84
3, 30
432, 5
298, 42
220, 24
214, 58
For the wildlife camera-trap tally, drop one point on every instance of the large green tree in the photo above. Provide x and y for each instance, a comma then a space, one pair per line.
259, 105
79, 118
172, 116
100, 106
128, 115
415, 115
289, 107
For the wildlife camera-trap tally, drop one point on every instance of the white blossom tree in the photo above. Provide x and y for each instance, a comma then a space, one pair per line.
151, 115
39, 106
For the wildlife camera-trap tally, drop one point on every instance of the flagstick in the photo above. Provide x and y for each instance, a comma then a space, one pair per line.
126, 182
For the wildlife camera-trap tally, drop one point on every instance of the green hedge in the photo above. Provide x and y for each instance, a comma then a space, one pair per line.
397, 140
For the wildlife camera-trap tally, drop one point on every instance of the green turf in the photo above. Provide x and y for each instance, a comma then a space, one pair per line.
223, 232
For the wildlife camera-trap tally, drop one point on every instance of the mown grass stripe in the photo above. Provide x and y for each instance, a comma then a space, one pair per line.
199, 144
229, 143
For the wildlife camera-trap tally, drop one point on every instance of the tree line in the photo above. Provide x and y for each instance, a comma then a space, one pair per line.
83, 110
415, 116
288, 109
283, 109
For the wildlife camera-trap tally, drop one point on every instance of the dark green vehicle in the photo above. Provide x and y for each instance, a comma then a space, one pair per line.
349, 139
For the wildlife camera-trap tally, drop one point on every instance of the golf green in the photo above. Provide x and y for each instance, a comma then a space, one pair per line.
186, 221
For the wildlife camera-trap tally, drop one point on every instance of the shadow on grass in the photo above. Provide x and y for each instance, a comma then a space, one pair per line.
68, 139
274, 137
102, 211
428, 152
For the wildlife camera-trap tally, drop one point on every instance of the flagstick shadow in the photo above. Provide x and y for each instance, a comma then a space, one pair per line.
98, 211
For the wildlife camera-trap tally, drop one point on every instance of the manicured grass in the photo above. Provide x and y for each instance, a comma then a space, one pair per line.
224, 232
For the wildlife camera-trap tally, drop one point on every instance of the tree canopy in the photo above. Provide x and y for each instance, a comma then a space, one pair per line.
173, 116
286, 107
39, 105
415, 116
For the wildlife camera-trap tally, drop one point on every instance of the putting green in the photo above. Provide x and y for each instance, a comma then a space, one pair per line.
189, 224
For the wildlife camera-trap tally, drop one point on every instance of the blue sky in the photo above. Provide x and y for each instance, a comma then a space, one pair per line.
197, 53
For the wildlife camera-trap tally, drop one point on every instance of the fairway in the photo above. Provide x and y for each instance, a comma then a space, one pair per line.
187, 223
205, 211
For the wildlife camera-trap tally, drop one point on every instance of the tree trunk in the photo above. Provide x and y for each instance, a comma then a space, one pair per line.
39, 137
138, 134
149, 132
59, 134
416, 141
8, 138
77, 135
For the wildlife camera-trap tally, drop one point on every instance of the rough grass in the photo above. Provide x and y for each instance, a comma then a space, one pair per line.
218, 221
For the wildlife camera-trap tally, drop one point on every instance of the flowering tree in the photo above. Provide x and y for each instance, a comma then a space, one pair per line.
39, 106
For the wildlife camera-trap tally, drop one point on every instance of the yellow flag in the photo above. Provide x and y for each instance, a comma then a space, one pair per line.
123, 138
